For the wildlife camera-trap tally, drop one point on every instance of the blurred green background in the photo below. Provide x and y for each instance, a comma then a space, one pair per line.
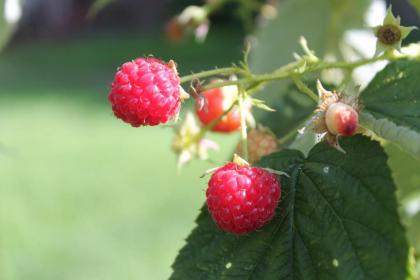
83, 195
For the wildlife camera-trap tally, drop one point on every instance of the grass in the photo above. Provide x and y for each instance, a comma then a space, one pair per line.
82, 195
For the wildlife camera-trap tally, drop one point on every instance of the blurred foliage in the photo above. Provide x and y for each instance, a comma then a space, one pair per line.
405, 171
97, 6
6, 26
84, 196
416, 4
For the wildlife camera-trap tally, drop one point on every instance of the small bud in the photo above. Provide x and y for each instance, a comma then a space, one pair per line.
193, 16
188, 143
192, 20
341, 119
201, 31
269, 11
335, 116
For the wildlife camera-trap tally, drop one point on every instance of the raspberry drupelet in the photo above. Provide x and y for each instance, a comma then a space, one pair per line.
242, 199
146, 91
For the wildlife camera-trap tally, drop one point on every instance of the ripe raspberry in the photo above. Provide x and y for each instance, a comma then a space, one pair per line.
260, 144
217, 101
241, 198
146, 91
341, 119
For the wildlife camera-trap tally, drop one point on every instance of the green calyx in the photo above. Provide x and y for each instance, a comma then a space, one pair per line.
391, 33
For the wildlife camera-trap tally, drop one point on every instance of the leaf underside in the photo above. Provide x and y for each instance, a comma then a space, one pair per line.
391, 105
337, 220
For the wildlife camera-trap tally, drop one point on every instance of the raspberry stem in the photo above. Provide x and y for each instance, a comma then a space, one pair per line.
295, 69
304, 88
219, 71
242, 111
205, 129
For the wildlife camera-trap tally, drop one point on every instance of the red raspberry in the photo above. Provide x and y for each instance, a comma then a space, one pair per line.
146, 91
219, 100
242, 198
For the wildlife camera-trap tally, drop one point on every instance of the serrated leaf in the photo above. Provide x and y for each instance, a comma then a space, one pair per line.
391, 105
337, 220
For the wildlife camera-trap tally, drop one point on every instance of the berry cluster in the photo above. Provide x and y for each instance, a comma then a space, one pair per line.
240, 198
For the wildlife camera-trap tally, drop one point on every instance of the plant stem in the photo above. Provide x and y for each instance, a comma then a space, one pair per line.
244, 136
294, 70
290, 135
223, 84
214, 72
208, 127
297, 68
355, 64
305, 89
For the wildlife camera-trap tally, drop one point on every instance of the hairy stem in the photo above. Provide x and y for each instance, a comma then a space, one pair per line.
296, 69
214, 72
305, 89
244, 136
208, 127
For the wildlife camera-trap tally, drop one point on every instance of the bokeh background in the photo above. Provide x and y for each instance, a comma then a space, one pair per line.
83, 195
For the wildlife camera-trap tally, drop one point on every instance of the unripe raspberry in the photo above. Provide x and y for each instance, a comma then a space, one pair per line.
341, 119
174, 31
216, 102
146, 91
260, 144
242, 199
336, 115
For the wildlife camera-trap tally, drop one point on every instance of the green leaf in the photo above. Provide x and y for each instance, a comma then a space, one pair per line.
391, 105
405, 171
413, 231
337, 220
